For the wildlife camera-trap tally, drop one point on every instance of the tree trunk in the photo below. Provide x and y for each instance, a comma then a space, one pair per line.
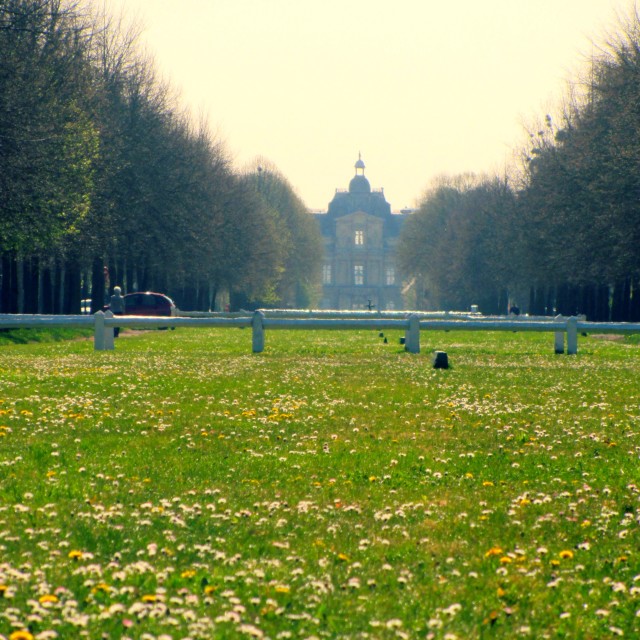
97, 285
634, 313
503, 302
32, 292
20, 284
48, 287
41, 279
550, 304
10, 284
532, 300
604, 305
213, 292
73, 288
62, 276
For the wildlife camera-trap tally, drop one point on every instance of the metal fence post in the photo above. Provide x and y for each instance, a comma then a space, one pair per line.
412, 335
572, 336
257, 325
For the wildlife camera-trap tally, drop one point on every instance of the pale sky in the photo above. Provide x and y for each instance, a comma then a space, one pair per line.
419, 87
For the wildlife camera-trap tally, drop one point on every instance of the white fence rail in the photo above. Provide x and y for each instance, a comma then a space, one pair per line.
261, 321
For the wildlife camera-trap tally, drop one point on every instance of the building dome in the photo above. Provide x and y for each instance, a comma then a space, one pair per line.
359, 184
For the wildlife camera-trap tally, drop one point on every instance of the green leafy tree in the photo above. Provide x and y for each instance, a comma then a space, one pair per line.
299, 237
458, 246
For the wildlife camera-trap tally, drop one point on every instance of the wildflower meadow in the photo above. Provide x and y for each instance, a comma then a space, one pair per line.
333, 486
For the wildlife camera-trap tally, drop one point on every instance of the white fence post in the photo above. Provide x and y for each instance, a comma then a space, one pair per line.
257, 325
109, 344
559, 338
98, 331
572, 336
412, 335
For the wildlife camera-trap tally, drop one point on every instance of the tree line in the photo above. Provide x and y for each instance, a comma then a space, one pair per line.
560, 231
105, 180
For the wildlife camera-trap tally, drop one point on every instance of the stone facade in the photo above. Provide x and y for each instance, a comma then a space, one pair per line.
360, 236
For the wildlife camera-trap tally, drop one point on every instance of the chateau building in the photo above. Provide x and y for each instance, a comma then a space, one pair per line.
360, 236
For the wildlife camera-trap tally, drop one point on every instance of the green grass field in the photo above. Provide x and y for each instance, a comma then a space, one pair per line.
330, 487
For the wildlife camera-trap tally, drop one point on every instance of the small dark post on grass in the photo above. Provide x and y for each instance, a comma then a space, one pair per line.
440, 360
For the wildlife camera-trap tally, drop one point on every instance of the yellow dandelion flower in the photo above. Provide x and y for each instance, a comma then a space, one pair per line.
209, 589
21, 635
149, 597
501, 592
505, 560
74, 554
566, 554
48, 598
494, 551
555, 563
282, 589
487, 483
189, 573
343, 556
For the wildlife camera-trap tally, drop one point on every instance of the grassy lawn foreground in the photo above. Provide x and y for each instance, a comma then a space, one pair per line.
331, 487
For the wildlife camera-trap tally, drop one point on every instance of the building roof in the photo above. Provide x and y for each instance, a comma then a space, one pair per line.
360, 197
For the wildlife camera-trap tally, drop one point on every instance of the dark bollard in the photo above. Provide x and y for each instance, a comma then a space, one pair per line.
402, 340
385, 341
381, 335
440, 360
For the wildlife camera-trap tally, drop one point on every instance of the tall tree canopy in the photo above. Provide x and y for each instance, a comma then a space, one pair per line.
567, 235
457, 244
298, 241
100, 167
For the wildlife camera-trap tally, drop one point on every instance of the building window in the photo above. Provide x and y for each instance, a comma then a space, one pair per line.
390, 275
326, 274
359, 238
358, 274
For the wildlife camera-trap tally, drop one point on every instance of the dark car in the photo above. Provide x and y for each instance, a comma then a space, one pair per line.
148, 304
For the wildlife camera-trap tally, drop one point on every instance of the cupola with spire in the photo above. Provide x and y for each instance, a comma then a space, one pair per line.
359, 184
